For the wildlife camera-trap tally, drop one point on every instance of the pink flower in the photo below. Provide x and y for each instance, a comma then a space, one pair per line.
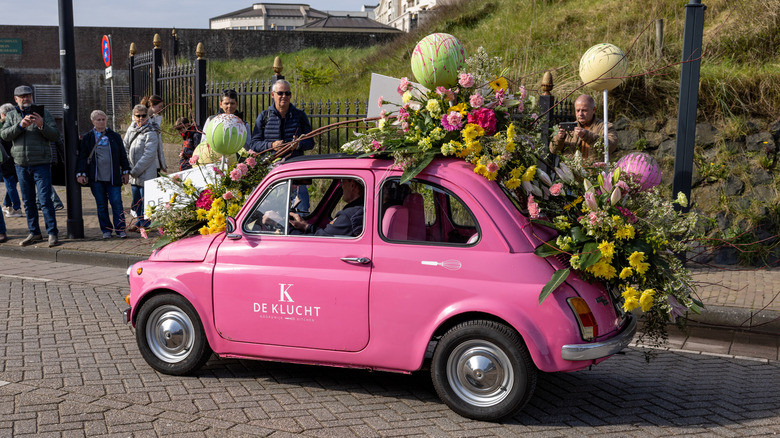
218, 171
492, 167
161, 231
176, 178
235, 174
533, 207
194, 160
381, 101
403, 86
590, 201
243, 168
630, 217
377, 146
466, 80
500, 96
476, 100
250, 161
534, 116
403, 114
167, 205
452, 121
143, 233
485, 118
523, 93
405, 126
440, 90
623, 186
555, 189
204, 200
228, 195
593, 218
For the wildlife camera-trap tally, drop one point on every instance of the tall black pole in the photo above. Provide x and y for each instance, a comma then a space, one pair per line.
70, 119
689, 97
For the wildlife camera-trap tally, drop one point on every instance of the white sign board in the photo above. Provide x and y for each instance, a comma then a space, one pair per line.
109, 72
160, 190
386, 87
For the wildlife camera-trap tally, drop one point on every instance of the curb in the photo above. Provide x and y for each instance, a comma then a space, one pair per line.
735, 318
72, 256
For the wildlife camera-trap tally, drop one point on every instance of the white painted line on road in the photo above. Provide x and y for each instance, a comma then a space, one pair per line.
26, 278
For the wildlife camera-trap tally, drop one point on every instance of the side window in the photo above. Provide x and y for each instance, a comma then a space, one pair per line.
424, 212
269, 216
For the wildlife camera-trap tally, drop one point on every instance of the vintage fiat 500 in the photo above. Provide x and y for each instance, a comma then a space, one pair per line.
438, 272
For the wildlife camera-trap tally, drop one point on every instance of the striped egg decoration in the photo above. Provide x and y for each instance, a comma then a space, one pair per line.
643, 167
226, 133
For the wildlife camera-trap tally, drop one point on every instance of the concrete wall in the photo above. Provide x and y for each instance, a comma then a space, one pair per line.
39, 62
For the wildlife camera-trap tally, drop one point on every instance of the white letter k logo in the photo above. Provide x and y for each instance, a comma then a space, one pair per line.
283, 295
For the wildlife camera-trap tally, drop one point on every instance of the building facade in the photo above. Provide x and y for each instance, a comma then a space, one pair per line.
405, 14
268, 16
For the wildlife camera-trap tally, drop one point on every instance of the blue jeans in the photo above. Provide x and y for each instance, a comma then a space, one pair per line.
32, 178
303, 194
105, 193
138, 206
11, 194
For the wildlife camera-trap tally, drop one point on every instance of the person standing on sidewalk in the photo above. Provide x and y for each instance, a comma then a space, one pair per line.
102, 163
141, 143
31, 133
191, 137
156, 106
12, 204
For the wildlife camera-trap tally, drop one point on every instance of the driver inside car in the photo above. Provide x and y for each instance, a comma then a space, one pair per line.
348, 221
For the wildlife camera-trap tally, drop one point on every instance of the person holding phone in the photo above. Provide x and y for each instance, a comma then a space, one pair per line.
584, 135
31, 129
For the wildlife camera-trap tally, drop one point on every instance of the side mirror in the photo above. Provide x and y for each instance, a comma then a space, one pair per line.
230, 224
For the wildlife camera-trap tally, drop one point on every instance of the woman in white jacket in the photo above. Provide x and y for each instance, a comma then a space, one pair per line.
142, 141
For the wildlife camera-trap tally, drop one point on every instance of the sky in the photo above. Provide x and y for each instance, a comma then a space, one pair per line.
181, 14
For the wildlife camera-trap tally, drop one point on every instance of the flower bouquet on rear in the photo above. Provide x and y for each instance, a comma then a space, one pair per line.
612, 225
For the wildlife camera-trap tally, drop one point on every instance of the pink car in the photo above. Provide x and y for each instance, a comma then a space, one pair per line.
380, 275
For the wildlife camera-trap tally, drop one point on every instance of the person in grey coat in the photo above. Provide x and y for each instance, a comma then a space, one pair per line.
141, 144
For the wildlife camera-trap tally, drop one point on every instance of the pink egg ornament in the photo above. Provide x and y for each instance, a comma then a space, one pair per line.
643, 168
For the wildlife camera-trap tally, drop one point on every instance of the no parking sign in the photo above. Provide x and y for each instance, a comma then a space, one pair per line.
106, 46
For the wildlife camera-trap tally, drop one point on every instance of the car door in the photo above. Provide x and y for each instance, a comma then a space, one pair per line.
275, 286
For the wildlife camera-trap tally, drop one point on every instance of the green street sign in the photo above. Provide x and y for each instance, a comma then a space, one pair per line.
10, 46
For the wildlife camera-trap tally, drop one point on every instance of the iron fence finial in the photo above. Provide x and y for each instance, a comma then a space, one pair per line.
278, 65
547, 83
133, 50
200, 51
157, 41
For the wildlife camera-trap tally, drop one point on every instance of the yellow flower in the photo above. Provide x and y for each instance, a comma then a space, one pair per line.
173, 198
461, 108
471, 131
204, 230
433, 107
510, 132
602, 269
625, 273
499, 84
407, 96
630, 304
646, 300
201, 214
513, 183
636, 257
233, 209
607, 250
630, 292
573, 204
529, 174
625, 232
480, 169
517, 172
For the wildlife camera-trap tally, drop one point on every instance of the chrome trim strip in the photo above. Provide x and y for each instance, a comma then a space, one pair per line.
598, 350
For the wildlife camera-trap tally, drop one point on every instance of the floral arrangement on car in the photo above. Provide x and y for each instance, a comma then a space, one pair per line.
612, 225
203, 208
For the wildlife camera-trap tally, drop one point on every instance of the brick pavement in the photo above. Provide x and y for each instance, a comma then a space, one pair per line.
70, 367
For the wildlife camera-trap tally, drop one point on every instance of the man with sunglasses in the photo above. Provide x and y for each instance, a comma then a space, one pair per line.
31, 129
281, 123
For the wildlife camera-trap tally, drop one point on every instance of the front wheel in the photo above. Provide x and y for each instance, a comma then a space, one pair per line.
170, 335
482, 370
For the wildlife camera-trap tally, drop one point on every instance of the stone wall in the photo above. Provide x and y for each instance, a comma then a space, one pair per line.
39, 62
729, 183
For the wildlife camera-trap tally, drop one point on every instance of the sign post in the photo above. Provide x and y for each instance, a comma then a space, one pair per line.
106, 49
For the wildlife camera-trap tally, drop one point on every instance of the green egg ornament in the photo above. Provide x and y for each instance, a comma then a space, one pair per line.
226, 134
436, 60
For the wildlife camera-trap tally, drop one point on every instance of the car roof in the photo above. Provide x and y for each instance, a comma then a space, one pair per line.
450, 168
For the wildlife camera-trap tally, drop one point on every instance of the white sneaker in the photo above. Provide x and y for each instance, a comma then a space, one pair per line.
16, 213
7, 211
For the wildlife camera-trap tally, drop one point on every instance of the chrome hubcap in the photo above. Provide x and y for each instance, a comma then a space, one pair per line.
170, 334
480, 373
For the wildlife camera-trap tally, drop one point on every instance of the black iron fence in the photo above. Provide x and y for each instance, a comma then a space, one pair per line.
187, 93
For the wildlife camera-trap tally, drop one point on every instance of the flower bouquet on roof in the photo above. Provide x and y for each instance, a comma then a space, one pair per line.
612, 226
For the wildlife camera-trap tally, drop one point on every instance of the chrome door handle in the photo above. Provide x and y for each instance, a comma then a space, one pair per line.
234, 236
361, 260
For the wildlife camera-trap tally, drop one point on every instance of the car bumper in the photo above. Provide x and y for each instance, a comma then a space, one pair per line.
598, 350
126, 315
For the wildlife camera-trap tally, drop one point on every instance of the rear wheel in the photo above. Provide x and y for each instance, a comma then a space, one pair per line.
482, 370
170, 335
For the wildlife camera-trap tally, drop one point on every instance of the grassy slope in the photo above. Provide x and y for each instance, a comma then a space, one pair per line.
740, 70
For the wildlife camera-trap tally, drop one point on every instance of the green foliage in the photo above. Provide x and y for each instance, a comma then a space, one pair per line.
313, 75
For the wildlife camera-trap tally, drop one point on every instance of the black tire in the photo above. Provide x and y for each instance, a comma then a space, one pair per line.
482, 370
170, 335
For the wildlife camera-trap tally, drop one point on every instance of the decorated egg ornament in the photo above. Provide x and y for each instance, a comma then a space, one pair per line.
436, 60
226, 134
605, 62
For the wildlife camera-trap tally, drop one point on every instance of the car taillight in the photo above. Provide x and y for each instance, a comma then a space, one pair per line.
588, 326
